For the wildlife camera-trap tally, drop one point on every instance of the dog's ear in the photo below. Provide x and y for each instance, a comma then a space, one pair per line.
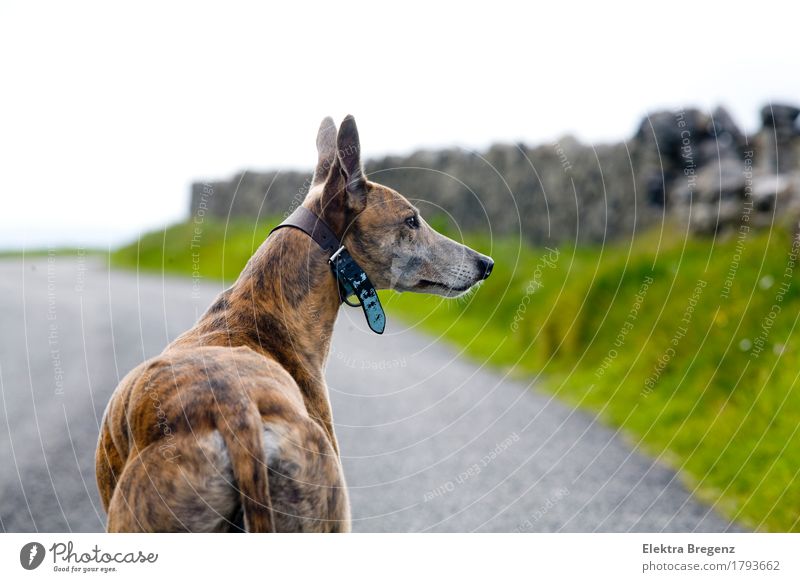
326, 150
348, 150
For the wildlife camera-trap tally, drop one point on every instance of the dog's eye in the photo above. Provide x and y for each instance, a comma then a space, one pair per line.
412, 222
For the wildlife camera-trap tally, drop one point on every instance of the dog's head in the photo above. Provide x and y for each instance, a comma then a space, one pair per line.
382, 230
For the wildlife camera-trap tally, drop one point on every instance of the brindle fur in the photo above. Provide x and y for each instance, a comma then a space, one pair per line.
231, 426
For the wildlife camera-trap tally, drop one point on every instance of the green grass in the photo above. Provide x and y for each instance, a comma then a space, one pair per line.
44, 252
210, 249
727, 418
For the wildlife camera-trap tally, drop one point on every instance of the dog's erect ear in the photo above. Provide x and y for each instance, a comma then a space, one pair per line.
349, 153
326, 150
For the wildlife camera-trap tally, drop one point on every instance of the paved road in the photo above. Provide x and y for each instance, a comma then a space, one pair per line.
430, 442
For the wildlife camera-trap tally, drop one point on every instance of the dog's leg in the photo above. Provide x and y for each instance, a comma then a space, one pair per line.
307, 486
108, 466
187, 485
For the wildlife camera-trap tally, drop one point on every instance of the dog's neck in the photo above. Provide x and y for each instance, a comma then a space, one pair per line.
284, 306
287, 295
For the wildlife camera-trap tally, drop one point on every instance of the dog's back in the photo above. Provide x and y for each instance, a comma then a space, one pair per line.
200, 433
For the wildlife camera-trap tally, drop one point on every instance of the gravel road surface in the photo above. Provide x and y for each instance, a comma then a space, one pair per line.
430, 441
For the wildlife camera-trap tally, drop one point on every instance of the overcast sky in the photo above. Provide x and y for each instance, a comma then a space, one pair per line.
108, 114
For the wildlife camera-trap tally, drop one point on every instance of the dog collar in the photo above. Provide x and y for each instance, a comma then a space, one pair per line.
350, 277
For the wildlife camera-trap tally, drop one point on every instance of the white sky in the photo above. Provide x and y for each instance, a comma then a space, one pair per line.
108, 114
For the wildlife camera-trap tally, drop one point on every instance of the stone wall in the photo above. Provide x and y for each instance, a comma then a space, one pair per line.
693, 165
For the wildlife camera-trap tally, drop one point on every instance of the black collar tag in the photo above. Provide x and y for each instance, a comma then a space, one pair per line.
354, 281
350, 277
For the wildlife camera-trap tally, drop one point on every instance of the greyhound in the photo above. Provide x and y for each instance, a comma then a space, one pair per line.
230, 427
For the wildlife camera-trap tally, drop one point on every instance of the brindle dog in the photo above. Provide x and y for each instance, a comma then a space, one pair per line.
230, 427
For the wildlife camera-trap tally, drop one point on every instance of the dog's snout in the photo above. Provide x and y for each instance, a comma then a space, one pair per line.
485, 265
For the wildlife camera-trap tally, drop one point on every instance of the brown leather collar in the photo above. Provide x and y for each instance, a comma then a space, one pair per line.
350, 277
311, 224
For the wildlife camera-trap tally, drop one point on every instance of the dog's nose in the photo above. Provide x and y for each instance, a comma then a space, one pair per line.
485, 265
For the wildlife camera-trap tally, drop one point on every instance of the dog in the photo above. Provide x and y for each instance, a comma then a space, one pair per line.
230, 428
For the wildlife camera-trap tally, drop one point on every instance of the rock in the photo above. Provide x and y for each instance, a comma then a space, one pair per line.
724, 128
780, 116
776, 139
720, 180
